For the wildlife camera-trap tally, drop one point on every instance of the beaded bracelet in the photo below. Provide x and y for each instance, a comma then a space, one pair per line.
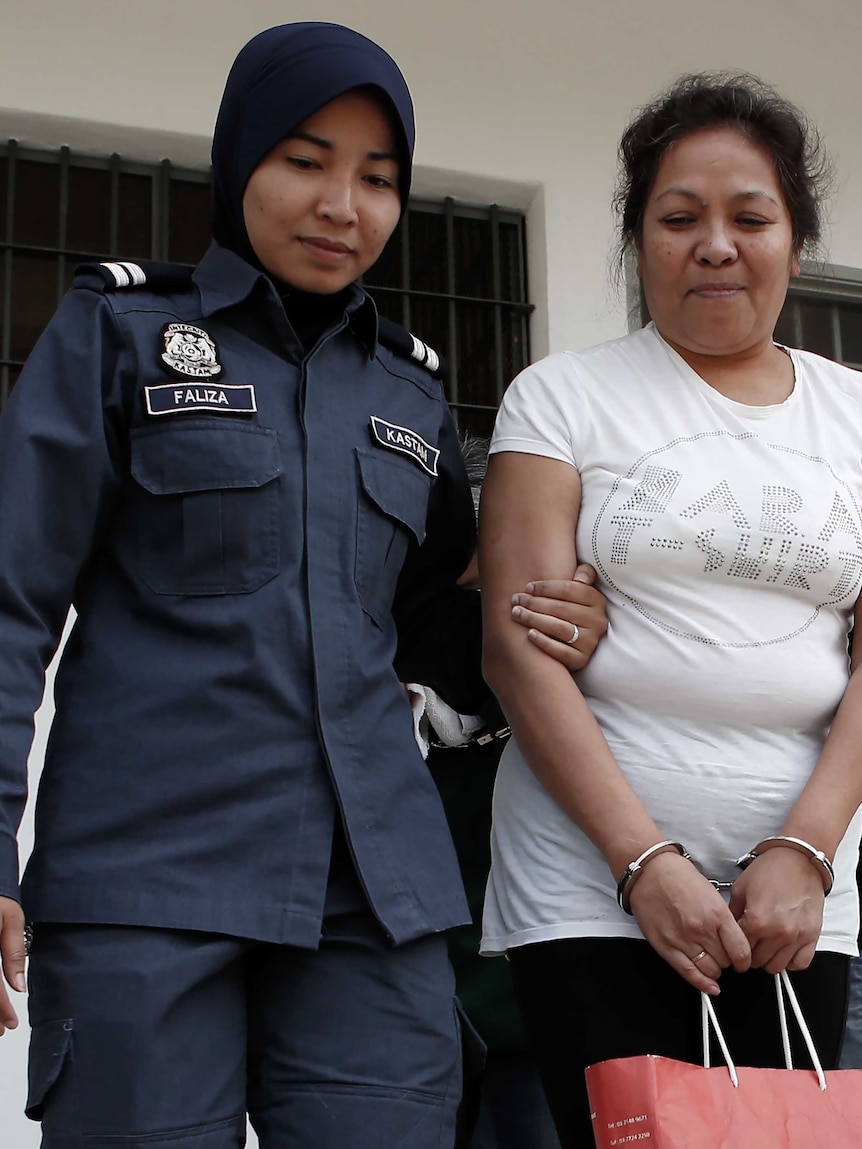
816, 857
634, 869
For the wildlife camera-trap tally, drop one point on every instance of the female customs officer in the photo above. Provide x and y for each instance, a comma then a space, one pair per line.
256, 503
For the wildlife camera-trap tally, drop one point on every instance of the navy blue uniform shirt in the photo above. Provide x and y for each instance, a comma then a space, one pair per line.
245, 551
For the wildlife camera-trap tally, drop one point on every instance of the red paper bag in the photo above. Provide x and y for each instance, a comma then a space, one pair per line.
666, 1104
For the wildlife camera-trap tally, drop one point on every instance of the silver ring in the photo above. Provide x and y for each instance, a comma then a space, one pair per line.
576, 634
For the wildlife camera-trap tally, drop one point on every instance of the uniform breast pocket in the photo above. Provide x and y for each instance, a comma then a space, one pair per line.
393, 503
207, 506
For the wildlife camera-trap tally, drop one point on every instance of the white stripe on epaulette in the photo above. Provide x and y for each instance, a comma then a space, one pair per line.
126, 274
139, 276
426, 355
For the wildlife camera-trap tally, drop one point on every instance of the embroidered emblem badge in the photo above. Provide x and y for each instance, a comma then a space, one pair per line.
407, 442
168, 398
189, 352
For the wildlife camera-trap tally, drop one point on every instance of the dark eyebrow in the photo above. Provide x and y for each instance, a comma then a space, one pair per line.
689, 194
757, 195
310, 139
320, 142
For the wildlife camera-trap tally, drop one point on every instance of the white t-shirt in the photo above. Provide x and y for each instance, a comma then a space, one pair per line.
728, 541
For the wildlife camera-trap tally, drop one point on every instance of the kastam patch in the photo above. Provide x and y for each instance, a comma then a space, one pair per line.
406, 442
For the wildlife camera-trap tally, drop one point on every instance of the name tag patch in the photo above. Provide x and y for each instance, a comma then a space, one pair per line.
168, 398
407, 442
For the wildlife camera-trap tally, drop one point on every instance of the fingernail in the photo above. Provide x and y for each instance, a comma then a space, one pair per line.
516, 612
580, 577
531, 586
20, 982
516, 598
714, 991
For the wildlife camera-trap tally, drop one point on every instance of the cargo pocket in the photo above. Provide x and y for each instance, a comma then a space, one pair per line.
50, 1044
393, 503
206, 500
472, 1070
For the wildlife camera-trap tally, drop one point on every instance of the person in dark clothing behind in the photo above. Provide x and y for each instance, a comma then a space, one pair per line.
257, 505
506, 1108
851, 1051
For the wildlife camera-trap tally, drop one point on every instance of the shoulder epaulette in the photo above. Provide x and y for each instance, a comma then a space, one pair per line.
400, 340
122, 274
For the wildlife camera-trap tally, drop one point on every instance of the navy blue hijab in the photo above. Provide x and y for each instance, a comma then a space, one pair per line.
279, 79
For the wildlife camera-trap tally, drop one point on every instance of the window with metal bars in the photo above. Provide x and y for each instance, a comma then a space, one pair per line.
453, 274
823, 313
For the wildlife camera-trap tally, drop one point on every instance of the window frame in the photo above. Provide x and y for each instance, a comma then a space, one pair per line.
825, 283
163, 173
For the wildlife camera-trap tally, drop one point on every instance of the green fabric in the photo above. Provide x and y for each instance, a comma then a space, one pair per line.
465, 779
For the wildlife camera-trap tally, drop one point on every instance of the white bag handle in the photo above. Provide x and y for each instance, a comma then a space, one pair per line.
782, 986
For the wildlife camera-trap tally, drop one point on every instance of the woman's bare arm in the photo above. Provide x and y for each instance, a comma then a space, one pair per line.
528, 517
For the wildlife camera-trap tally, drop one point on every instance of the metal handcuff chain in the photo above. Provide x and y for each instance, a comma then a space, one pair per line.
816, 857
634, 869
482, 737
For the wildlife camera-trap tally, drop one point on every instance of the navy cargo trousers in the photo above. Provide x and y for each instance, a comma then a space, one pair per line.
155, 1038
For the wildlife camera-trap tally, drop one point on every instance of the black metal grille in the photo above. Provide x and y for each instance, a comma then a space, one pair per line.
452, 273
824, 314
458, 274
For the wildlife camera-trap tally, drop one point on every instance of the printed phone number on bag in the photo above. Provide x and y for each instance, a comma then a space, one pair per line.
628, 1138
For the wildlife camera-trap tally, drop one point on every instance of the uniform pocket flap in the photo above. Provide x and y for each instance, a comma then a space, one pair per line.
50, 1043
173, 460
398, 488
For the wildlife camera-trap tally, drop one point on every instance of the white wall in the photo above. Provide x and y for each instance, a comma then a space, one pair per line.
17, 1131
535, 94
519, 102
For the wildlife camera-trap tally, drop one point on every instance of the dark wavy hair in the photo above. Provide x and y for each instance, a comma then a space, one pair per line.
717, 100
